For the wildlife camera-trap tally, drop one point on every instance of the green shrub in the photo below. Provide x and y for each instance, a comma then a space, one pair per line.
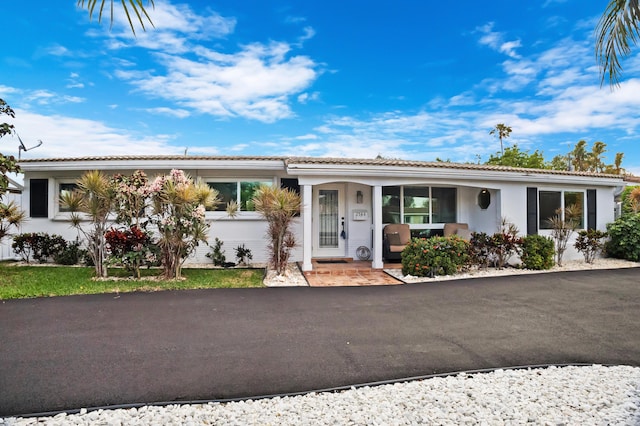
624, 234
590, 243
243, 255
217, 253
494, 249
70, 255
537, 252
435, 256
629, 202
481, 249
503, 246
38, 245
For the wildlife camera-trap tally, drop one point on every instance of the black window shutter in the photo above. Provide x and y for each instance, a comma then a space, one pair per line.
39, 197
591, 209
532, 211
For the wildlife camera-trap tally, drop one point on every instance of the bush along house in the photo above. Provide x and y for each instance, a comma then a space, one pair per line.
346, 203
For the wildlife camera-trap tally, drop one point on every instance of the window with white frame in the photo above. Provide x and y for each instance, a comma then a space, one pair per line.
418, 205
65, 188
552, 203
241, 192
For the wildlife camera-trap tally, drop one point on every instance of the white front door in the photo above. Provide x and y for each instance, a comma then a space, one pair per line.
329, 221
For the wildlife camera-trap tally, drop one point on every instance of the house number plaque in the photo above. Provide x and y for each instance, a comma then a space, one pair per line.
360, 214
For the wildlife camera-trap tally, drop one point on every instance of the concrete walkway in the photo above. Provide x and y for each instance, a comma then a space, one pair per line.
86, 351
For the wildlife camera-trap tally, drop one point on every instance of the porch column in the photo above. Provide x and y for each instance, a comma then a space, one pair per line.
377, 227
307, 229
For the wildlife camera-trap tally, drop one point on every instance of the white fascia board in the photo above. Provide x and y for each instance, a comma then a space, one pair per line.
186, 164
375, 173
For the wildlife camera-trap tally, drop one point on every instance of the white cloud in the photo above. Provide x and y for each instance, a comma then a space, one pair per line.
306, 97
57, 50
172, 112
309, 33
256, 82
72, 137
509, 48
6, 90
496, 41
46, 97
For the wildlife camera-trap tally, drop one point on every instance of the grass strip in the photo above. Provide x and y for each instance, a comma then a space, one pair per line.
18, 282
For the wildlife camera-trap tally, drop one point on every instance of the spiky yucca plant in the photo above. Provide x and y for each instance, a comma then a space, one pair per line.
562, 226
278, 206
93, 200
10, 217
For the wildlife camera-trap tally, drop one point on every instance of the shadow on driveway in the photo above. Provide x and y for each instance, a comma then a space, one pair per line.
87, 351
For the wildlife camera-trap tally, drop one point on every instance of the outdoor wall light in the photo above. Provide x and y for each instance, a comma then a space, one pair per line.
359, 197
484, 198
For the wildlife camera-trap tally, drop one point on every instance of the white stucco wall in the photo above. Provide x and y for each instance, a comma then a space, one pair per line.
469, 211
508, 199
248, 228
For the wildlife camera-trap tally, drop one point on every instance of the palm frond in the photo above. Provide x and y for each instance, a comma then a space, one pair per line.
136, 5
617, 30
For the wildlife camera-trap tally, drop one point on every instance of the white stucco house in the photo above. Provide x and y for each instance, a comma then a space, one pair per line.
346, 202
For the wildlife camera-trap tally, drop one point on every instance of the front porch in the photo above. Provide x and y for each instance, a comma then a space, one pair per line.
346, 219
348, 272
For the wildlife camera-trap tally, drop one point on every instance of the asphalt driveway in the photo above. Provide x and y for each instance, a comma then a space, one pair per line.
87, 351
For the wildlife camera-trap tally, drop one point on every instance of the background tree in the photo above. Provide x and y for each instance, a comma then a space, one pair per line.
596, 163
137, 8
584, 161
514, 157
617, 30
579, 156
616, 167
502, 131
559, 162
7, 164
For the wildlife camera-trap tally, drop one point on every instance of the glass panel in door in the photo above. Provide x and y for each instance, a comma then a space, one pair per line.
329, 215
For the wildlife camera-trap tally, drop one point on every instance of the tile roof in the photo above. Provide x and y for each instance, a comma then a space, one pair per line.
288, 160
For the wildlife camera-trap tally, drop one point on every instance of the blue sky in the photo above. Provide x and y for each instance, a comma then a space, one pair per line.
409, 79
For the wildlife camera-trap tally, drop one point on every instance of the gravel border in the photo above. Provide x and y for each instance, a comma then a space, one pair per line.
569, 395
572, 265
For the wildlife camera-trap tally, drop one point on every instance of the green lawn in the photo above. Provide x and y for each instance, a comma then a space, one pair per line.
42, 281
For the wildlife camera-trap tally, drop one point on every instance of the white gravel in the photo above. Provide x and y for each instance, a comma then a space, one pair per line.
594, 395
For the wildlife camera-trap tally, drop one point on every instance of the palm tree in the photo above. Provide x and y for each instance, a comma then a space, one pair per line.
579, 156
595, 157
136, 6
503, 131
617, 30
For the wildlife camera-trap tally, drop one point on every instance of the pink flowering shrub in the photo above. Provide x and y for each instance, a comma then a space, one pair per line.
179, 206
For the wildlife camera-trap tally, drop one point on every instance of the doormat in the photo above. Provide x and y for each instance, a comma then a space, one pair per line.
332, 261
